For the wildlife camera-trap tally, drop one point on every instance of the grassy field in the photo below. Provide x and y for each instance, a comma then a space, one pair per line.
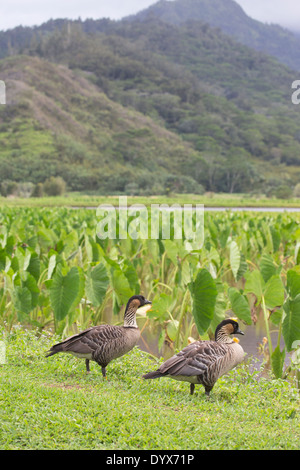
217, 200
53, 404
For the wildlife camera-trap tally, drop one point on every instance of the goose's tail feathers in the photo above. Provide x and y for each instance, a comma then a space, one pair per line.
54, 350
153, 375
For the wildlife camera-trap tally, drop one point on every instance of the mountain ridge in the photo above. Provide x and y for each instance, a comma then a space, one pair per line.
147, 104
230, 17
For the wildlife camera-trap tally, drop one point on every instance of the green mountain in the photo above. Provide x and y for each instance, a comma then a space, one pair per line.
146, 106
231, 19
57, 123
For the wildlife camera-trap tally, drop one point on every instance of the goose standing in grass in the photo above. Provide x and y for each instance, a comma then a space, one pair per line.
203, 362
104, 343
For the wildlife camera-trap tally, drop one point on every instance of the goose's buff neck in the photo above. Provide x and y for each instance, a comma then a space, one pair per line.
223, 334
130, 314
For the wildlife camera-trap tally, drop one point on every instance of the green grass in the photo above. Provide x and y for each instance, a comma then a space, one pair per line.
218, 200
51, 403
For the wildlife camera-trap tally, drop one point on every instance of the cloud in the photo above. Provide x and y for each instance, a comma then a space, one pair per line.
283, 12
33, 12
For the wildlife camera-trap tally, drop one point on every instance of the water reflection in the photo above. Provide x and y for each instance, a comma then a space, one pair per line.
253, 209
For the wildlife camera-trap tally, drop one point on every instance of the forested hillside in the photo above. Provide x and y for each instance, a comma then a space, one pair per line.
231, 19
57, 123
145, 106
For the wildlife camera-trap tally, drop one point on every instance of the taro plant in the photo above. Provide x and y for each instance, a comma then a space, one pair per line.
280, 305
56, 273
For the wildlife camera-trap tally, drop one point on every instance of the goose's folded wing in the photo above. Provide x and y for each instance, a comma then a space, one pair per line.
90, 339
195, 359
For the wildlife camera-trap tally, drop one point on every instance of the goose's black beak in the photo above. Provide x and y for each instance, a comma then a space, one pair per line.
147, 302
239, 332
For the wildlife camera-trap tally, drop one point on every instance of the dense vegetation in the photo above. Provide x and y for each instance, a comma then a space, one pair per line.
57, 273
224, 14
63, 125
58, 277
146, 107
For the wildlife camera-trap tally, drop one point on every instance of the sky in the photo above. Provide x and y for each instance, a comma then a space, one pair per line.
35, 12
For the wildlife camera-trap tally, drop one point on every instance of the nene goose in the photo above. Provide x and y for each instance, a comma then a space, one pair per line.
104, 343
203, 362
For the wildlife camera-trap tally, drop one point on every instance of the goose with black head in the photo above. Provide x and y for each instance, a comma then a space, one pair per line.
104, 343
204, 362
